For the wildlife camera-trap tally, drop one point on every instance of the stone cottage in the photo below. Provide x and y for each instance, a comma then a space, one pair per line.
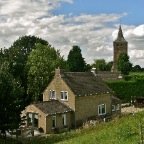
71, 99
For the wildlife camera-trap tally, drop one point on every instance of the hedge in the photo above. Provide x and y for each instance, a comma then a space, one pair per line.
125, 89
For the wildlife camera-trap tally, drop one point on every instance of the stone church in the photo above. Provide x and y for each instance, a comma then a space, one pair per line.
119, 45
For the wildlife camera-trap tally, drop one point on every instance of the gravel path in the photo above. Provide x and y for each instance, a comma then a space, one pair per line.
130, 109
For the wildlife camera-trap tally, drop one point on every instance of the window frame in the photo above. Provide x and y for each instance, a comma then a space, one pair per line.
118, 107
64, 120
100, 109
64, 97
53, 122
113, 107
51, 96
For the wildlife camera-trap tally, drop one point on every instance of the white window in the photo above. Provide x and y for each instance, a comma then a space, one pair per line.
52, 94
64, 95
36, 120
113, 107
29, 119
117, 107
102, 109
64, 119
53, 121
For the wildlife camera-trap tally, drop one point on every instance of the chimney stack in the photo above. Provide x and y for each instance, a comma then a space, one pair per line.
93, 70
58, 71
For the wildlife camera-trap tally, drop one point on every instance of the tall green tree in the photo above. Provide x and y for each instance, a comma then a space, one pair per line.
99, 64
136, 68
41, 66
10, 99
17, 56
75, 61
109, 66
123, 64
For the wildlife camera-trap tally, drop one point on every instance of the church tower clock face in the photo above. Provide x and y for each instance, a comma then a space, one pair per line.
119, 45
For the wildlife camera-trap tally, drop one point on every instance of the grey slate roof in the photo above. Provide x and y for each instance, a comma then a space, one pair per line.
115, 100
52, 107
85, 83
108, 75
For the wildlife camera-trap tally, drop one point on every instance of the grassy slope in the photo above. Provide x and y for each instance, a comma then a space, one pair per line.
124, 130
137, 73
121, 131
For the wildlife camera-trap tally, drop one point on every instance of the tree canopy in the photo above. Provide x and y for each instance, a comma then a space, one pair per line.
17, 56
41, 66
75, 61
123, 64
99, 64
136, 68
10, 99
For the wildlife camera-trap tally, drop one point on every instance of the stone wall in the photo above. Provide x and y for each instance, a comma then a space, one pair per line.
59, 85
87, 106
41, 116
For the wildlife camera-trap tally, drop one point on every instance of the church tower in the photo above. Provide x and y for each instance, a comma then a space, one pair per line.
119, 45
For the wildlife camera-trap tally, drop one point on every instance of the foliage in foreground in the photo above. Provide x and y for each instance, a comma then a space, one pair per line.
124, 130
10, 100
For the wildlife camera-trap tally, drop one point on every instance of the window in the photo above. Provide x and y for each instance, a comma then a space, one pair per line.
113, 107
32, 119
52, 94
29, 119
53, 121
64, 119
102, 109
36, 120
117, 107
64, 95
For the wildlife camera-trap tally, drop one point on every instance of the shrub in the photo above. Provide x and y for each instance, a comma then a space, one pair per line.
124, 90
40, 130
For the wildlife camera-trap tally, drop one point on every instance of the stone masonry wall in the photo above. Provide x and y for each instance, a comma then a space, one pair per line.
59, 85
41, 116
87, 106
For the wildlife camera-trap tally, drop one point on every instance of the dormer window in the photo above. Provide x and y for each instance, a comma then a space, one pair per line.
64, 95
52, 94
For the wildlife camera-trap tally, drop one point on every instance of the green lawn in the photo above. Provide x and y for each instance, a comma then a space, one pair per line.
124, 130
137, 73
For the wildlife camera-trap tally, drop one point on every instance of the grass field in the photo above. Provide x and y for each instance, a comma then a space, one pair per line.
124, 130
121, 131
137, 73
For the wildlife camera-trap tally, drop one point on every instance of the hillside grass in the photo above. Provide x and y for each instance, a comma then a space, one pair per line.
124, 130
121, 131
137, 73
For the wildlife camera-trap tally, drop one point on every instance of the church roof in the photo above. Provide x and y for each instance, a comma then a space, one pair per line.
120, 37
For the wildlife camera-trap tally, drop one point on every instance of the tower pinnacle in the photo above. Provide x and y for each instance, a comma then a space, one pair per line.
120, 36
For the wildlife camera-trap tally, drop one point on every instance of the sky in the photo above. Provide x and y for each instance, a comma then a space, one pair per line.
90, 24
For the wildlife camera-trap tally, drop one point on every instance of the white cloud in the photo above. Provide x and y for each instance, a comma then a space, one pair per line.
139, 31
93, 33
